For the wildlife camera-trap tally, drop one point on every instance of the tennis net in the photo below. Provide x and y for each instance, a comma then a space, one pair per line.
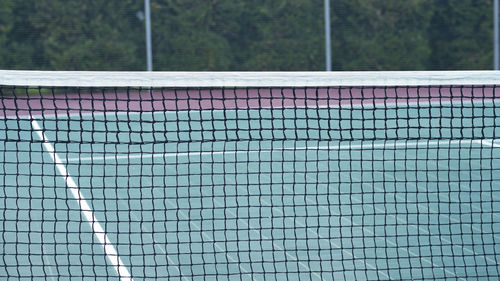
250, 176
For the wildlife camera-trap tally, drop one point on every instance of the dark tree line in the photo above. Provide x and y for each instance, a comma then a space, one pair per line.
246, 34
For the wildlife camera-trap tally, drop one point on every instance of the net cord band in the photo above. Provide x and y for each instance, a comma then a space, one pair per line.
245, 79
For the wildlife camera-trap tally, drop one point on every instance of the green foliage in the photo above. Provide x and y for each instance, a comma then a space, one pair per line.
382, 34
191, 35
6, 17
462, 34
84, 35
290, 36
21, 47
246, 34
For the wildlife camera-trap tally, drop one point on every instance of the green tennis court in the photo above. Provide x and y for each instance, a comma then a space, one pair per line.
226, 195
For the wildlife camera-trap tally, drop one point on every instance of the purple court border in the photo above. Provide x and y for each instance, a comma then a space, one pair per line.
109, 100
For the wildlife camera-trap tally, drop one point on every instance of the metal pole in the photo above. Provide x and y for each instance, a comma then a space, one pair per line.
495, 35
149, 50
328, 43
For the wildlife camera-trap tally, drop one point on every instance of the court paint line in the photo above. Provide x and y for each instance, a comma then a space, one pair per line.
222, 250
374, 105
488, 143
369, 145
368, 265
293, 257
87, 212
477, 141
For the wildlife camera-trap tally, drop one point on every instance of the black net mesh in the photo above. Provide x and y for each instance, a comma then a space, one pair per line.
330, 183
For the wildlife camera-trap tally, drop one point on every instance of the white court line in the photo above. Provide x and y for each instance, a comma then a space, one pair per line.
87, 212
369, 145
488, 142
357, 146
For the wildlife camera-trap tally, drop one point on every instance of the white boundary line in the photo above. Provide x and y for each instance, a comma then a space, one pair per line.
392, 144
109, 249
488, 143
246, 79
370, 145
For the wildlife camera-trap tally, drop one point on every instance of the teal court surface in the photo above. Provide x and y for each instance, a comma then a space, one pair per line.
380, 193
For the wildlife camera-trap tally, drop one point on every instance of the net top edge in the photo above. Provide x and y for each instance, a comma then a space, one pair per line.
245, 79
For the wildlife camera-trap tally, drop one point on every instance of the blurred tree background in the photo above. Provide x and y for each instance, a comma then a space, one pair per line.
246, 34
